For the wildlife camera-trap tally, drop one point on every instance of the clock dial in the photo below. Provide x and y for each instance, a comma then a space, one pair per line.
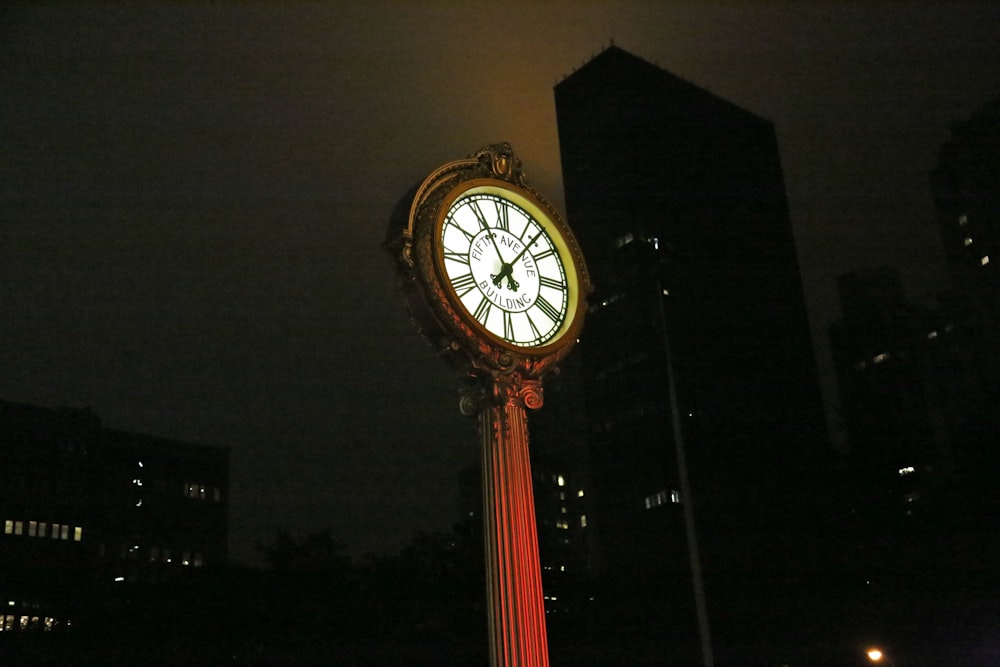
505, 268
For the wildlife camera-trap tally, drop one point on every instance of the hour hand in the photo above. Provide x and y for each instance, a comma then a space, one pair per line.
505, 272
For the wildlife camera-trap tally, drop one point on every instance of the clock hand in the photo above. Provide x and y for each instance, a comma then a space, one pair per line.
525, 248
508, 267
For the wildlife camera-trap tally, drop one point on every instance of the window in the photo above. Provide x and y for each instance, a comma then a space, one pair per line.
583, 521
65, 532
963, 220
18, 527
55, 531
967, 241
8, 527
32, 529
984, 260
879, 358
77, 533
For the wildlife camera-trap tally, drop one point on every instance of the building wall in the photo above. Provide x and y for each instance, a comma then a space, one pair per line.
88, 513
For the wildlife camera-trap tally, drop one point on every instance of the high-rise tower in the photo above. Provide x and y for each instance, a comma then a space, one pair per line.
678, 200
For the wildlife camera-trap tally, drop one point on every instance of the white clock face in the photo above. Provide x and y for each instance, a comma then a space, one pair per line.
505, 267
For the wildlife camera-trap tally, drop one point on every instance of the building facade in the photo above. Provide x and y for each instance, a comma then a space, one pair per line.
677, 198
90, 515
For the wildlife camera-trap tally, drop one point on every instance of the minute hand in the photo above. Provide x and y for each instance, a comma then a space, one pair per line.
525, 248
508, 267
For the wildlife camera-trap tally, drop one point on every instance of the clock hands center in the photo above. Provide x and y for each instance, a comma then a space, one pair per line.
506, 268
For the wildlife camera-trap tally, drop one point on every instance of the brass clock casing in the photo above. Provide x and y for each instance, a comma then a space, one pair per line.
462, 339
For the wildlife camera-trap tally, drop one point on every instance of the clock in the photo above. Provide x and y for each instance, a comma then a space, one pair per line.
500, 272
505, 264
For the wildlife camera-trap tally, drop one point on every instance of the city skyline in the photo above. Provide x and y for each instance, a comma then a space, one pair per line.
194, 198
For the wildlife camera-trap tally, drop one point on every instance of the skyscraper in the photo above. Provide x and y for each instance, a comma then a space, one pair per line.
677, 197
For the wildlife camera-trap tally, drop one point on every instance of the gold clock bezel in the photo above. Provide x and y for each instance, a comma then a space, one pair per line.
444, 320
556, 232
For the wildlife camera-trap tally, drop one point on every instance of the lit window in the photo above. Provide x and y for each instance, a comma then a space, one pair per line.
932, 335
55, 531
579, 494
879, 358
32, 529
43, 528
984, 260
967, 241
18, 527
560, 480
963, 220
65, 532
906, 471
675, 496
77, 533
583, 521
8, 527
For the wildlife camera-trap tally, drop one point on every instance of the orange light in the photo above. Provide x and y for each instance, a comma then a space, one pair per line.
875, 655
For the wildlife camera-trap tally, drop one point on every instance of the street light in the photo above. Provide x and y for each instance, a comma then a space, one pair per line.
875, 655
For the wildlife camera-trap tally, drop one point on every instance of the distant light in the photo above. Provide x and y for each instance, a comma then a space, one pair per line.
579, 494
666, 292
119, 579
906, 471
875, 655
984, 260
963, 220
879, 358
932, 335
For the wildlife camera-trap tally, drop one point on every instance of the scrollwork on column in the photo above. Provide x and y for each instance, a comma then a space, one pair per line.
513, 388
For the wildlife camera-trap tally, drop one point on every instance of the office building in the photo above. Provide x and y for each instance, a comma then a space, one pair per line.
677, 198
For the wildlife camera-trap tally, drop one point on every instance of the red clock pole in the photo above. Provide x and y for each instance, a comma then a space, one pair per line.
513, 572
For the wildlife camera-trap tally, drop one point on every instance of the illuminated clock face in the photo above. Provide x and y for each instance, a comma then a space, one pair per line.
502, 257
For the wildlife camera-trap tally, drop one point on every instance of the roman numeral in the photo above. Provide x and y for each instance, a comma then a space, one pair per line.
543, 254
547, 308
457, 226
463, 284
503, 221
483, 310
478, 212
456, 256
553, 283
508, 326
534, 329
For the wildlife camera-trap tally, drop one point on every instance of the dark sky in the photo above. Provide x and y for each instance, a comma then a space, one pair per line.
193, 196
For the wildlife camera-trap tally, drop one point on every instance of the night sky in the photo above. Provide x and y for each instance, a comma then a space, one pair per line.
193, 198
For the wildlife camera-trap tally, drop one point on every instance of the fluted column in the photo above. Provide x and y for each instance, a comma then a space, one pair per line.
513, 572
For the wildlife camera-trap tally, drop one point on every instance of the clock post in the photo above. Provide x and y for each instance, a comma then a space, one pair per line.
497, 283
513, 573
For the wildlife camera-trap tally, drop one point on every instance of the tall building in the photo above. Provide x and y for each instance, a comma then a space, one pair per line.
93, 515
966, 189
907, 385
677, 197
